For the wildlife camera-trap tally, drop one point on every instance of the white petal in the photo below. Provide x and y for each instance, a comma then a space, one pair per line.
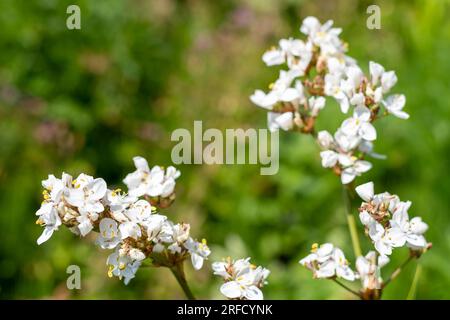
347, 176
418, 226
231, 290
388, 80
383, 248
253, 293
289, 95
362, 166
362, 113
263, 100
329, 158
365, 191
197, 261
46, 234
273, 57
368, 131
141, 164
376, 70
98, 188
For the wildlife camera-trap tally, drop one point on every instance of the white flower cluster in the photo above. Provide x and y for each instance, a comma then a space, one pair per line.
243, 280
125, 223
387, 222
328, 262
296, 97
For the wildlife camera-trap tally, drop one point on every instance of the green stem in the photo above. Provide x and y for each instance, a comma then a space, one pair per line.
347, 288
412, 290
178, 272
397, 271
351, 222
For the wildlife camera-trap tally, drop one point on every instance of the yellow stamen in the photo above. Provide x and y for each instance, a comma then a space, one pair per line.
110, 270
314, 247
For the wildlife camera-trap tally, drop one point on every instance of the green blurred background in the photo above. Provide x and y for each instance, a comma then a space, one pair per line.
89, 100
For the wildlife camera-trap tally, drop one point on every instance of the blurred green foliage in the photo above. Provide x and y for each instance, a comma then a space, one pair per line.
89, 100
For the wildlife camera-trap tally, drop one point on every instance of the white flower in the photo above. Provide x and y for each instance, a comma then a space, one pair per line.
139, 212
388, 234
342, 269
324, 36
333, 88
136, 254
122, 266
154, 182
48, 217
354, 78
352, 168
55, 187
325, 139
243, 280
179, 235
87, 193
277, 121
109, 236
394, 104
130, 229
199, 251
326, 261
329, 158
346, 142
84, 223
242, 287
281, 91
158, 228
368, 268
360, 125
385, 240
412, 231
118, 203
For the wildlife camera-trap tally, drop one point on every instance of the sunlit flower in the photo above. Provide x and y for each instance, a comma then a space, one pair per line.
387, 222
154, 183
49, 218
243, 280
327, 261
109, 236
199, 251
122, 266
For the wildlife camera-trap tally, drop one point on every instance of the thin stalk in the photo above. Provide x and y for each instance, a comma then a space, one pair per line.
412, 290
178, 272
397, 271
351, 222
347, 288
